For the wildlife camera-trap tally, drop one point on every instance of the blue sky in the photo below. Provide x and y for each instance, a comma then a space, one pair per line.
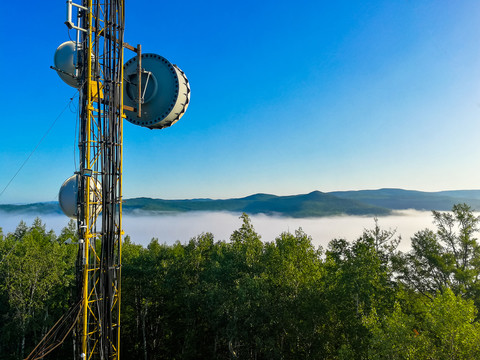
287, 97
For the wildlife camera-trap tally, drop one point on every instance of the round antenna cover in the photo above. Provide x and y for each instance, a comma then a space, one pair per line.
68, 196
165, 92
64, 60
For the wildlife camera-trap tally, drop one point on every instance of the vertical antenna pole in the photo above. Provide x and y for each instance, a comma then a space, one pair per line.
139, 76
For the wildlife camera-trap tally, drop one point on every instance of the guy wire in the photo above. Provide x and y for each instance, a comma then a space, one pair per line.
36, 147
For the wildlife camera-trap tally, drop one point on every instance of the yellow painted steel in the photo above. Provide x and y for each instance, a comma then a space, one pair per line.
95, 86
89, 321
86, 220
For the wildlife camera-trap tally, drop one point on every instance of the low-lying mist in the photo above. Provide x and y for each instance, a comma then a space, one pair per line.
168, 228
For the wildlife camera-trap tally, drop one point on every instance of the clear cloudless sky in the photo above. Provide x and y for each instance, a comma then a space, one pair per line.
287, 97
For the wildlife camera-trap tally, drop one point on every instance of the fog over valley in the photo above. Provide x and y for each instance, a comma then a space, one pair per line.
168, 228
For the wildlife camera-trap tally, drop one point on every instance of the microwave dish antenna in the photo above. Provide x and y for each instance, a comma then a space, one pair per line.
65, 60
164, 92
68, 196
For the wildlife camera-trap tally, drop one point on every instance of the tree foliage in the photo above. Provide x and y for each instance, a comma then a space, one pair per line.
446, 258
249, 299
36, 277
444, 328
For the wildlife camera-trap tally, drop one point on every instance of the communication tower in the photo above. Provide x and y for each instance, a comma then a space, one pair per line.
148, 91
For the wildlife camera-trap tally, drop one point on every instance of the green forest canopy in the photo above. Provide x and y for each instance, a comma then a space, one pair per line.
248, 299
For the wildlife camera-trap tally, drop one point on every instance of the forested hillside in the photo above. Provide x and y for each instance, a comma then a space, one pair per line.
315, 204
246, 299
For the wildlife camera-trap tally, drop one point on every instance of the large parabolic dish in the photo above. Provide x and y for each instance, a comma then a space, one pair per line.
165, 92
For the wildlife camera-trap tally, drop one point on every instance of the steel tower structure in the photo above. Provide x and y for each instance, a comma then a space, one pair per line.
158, 94
100, 75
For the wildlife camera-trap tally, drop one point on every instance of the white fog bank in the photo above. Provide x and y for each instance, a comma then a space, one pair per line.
171, 227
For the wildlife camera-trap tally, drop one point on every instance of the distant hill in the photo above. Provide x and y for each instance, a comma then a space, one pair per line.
398, 199
40, 208
461, 194
307, 205
315, 204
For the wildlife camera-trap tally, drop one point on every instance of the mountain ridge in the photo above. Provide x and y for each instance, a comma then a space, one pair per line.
377, 202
